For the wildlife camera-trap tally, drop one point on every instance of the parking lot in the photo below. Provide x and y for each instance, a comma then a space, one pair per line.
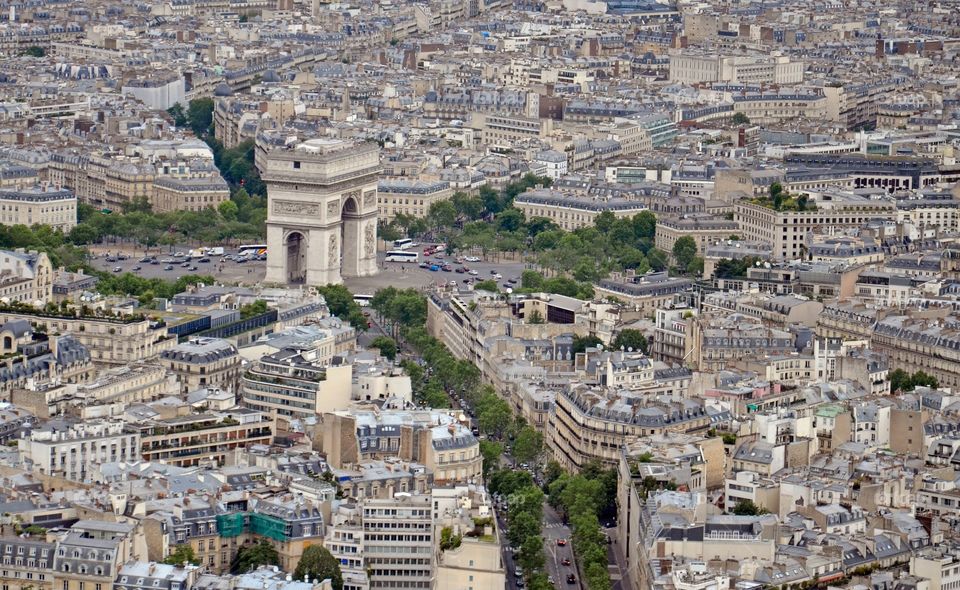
171, 267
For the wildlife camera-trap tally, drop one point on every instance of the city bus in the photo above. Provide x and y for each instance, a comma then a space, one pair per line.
402, 256
252, 249
402, 244
362, 300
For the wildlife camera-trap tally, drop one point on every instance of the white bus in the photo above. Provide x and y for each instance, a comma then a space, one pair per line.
402, 244
362, 300
252, 249
403, 256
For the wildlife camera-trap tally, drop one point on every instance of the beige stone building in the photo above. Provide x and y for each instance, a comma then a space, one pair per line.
705, 229
26, 277
203, 362
42, 205
196, 193
592, 423
787, 230
572, 212
409, 197
111, 340
430, 437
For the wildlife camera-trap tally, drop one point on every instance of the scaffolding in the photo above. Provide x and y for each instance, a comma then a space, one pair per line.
230, 525
268, 526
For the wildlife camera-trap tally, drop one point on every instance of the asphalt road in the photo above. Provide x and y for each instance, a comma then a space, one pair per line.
250, 273
554, 529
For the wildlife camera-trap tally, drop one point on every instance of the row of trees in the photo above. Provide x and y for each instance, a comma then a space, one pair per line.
583, 499
525, 518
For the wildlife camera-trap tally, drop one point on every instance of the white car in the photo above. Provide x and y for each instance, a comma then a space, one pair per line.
472, 259
473, 272
498, 276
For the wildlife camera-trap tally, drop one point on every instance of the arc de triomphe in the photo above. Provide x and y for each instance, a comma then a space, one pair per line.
322, 212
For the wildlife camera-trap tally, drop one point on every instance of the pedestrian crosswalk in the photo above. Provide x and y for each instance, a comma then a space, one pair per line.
553, 525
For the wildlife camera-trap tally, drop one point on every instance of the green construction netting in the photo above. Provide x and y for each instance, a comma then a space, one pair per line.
230, 525
268, 526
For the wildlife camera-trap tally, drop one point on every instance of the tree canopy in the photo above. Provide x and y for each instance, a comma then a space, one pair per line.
317, 563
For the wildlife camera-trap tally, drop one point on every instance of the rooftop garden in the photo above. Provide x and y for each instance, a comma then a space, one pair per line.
780, 200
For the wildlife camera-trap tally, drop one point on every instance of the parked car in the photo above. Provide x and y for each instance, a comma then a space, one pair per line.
136, 268
461, 270
117, 269
560, 542
145, 259
473, 272
434, 267
472, 259
168, 267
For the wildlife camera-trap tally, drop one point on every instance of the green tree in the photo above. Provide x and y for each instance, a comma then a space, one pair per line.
740, 119
182, 554
657, 259
531, 553
522, 525
493, 415
229, 210
684, 251
535, 317
35, 51
442, 215
509, 220
528, 445
178, 114
581, 343
746, 508
387, 346
200, 116
250, 557
317, 563
531, 279
487, 285
604, 221
491, 452
630, 338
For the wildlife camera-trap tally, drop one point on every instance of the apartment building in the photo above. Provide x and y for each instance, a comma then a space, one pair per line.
593, 423
939, 565
433, 438
26, 277
45, 205
203, 439
787, 231
704, 228
191, 193
507, 131
645, 293
72, 451
290, 385
409, 197
203, 362
687, 68
477, 562
110, 340
571, 211
398, 541
917, 343
717, 342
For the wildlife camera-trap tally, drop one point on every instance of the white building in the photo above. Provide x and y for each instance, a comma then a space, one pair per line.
73, 451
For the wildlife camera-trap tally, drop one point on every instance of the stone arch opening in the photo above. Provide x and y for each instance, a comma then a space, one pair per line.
351, 246
296, 247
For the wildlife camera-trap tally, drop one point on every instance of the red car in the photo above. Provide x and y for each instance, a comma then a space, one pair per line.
561, 542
